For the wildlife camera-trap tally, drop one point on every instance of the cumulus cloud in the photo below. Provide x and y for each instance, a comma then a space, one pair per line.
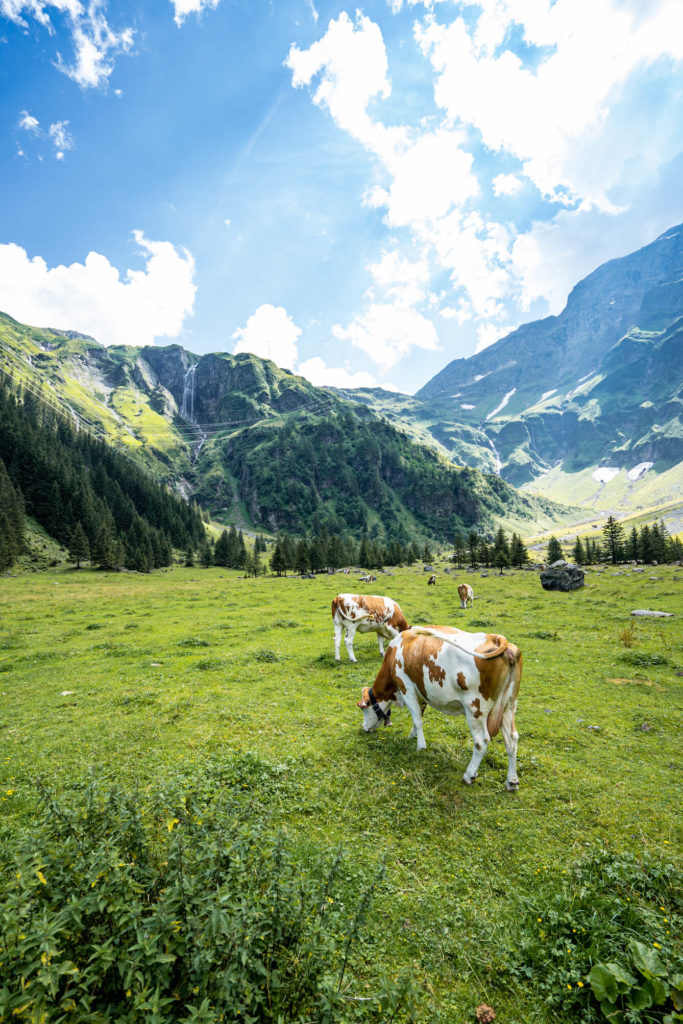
93, 297
317, 372
554, 117
387, 332
61, 138
271, 333
506, 185
95, 42
184, 7
29, 123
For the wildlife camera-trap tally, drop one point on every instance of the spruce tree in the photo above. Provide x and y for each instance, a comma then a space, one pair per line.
79, 549
578, 552
613, 532
554, 553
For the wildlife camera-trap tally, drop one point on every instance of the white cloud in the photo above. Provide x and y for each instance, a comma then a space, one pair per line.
317, 372
95, 43
270, 333
387, 332
92, 298
61, 138
506, 185
184, 7
351, 61
555, 117
29, 123
314, 12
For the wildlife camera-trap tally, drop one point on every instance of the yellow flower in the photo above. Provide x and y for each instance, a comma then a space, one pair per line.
580, 984
171, 822
656, 945
41, 878
569, 986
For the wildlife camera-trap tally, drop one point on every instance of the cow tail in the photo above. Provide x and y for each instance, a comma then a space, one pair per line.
511, 685
488, 656
335, 605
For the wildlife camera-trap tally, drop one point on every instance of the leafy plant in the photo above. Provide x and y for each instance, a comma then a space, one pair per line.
622, 994
180, 906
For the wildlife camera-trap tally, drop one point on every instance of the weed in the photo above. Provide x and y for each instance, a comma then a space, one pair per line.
627, 637
209, 664
183, 905
644, 660
544, 634
265, 654
193, 642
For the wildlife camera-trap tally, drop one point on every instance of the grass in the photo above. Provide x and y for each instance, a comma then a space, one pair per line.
138, 676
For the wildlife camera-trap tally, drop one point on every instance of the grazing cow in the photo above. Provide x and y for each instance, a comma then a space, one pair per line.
367, 614
466, 594
431, 582
475, 674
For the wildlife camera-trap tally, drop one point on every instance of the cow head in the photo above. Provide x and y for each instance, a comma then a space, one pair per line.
374, 712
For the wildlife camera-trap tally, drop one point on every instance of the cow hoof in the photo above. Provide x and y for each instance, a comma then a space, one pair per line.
512, 787
468, 779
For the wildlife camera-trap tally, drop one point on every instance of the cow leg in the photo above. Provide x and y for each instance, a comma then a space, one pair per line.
350, 633
338, 631
481, 740
413, 705
510, 737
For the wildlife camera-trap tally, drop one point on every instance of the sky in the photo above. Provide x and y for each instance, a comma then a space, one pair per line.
360, 194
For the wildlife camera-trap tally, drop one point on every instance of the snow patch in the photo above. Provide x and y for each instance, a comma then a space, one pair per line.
639, 470
480, 376
457, 394
464, 405
502, 404
604, 474
579, 387
547, 394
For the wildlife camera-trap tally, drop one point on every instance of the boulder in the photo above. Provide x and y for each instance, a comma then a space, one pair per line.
562, 575
644, 613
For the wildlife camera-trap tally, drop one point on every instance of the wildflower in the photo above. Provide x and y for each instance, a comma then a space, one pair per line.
569, 986
580, 984
41, 878
656, 945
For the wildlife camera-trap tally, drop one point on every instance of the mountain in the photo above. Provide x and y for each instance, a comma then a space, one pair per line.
259, 446
585, 404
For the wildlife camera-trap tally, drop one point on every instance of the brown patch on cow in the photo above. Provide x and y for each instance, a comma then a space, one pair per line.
477, 707
398, 620
461, 681
384, 686
493, 671
477, 745
437, 674
364, 702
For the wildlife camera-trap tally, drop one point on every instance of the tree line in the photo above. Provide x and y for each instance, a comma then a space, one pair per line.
95, 501
651, 543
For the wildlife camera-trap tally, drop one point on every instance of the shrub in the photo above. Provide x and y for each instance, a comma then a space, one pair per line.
607, 917
182, 905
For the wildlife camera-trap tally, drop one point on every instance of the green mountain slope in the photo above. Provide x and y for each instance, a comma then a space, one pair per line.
245, 437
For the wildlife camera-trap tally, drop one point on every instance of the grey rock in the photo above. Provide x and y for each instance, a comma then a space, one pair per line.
643, 613
562, 576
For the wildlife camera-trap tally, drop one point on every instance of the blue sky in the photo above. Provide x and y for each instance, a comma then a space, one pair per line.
361, 195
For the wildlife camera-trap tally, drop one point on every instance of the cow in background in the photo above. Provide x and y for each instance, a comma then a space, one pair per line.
466, 594
365, 613
431, 582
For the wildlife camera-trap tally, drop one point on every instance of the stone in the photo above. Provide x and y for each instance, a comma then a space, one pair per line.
643, 613
562, 575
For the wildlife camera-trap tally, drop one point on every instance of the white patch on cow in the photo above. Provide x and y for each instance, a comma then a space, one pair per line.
604, 474
639, 470
502, 404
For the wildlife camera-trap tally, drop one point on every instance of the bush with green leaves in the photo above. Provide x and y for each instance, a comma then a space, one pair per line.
180, 904
603, 940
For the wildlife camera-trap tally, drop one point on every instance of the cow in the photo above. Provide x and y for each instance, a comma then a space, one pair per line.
475, 674
367, 614
466, 594
431, 582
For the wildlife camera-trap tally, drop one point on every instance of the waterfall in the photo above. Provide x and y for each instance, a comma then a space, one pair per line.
187, 407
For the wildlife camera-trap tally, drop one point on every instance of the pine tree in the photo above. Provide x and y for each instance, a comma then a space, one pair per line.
302, 556
578, 552
473, 546
554, 553
519, 556
189, 558
613, 532
205, 554
79, 548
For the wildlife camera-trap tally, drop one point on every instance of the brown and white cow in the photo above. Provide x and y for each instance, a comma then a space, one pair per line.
466, 594
365, 613
475, 674
431, 582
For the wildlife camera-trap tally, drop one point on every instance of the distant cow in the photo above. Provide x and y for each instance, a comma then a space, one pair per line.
367, 614
431, 582
475, 674
466, 594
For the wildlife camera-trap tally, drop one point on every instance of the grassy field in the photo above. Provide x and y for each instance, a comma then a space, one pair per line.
141, 675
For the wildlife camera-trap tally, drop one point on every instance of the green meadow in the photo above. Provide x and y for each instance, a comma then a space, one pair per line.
486, 895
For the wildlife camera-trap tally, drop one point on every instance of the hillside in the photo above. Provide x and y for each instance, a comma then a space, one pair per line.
258, 445
592, 395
